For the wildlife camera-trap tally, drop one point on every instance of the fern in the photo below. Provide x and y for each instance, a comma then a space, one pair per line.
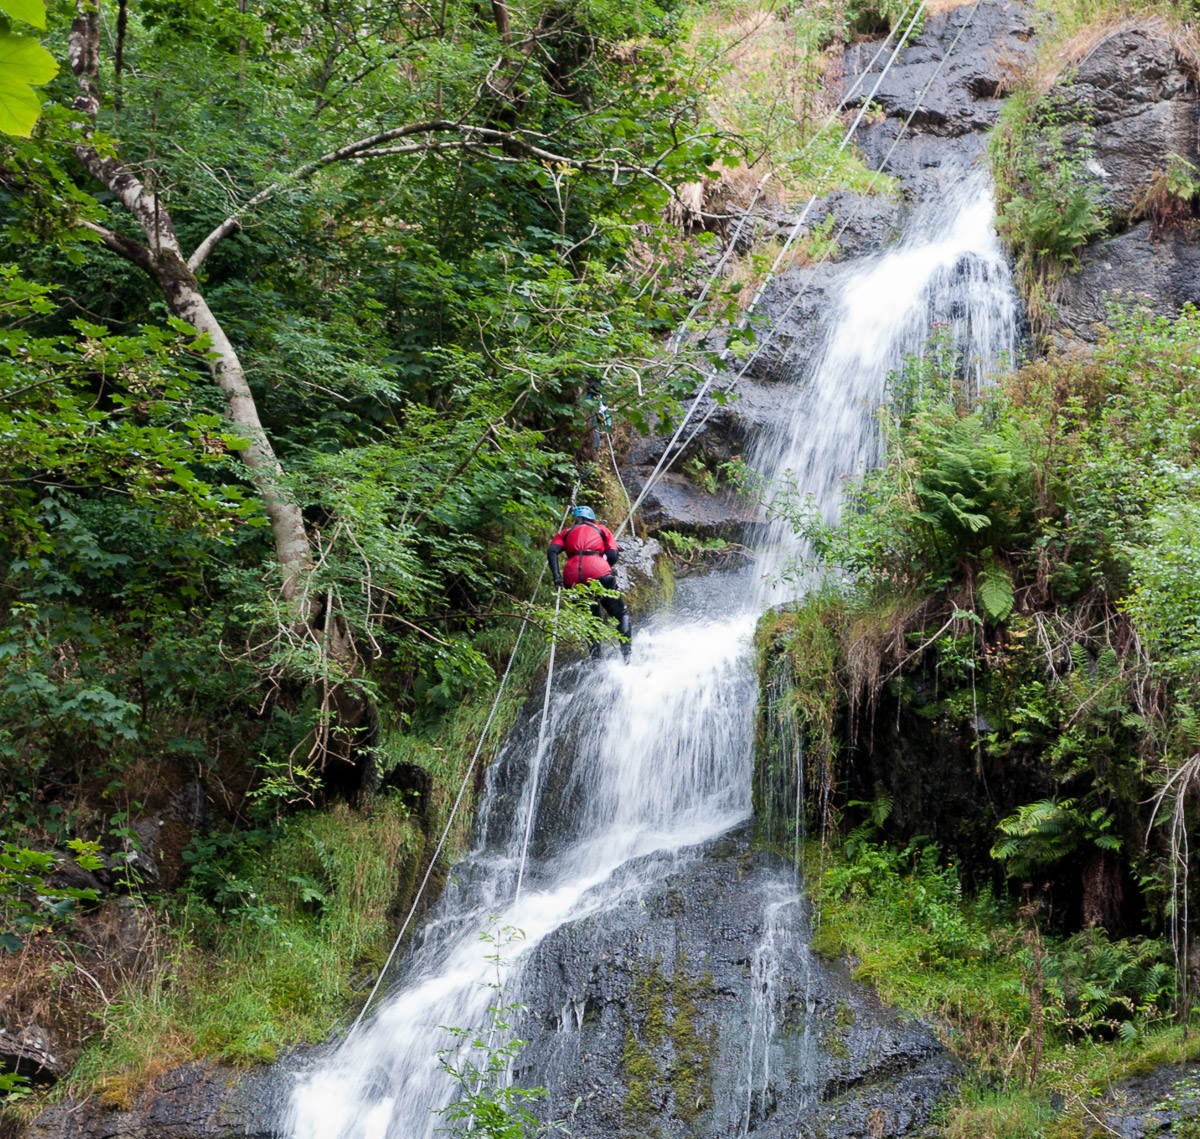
1041, 833
996, 591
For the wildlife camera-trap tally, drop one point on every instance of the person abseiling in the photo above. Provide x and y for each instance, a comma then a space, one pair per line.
591, 552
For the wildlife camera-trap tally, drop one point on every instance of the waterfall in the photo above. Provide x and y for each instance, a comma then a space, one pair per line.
948, 278
649, 761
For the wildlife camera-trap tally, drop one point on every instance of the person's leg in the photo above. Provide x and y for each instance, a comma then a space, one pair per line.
594, 646
615, 608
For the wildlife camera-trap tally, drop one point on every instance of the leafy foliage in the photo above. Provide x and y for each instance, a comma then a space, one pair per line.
29, 900
1019, 576
1049, 207
24, 64
1039, 834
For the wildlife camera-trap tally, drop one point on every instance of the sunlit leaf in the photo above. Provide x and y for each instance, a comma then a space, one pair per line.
30, 11
23, 63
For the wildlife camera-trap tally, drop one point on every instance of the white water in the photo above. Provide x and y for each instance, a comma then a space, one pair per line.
949, 278
656, 756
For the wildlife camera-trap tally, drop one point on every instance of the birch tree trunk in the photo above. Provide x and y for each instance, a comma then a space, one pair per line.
162, 258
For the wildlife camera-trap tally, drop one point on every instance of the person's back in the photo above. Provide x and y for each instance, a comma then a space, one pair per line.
591, 553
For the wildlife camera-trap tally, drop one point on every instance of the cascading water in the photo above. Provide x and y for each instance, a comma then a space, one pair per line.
947, 279
648, 762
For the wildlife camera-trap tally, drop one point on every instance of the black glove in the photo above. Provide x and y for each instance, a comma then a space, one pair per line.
558, 581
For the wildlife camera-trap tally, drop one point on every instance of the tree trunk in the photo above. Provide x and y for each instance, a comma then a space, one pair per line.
163, 259
292, 548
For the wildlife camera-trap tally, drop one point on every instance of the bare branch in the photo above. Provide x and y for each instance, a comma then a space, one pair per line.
341, 154
126, 247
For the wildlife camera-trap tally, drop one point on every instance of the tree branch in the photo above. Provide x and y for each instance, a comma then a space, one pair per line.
375, 146
84, 53
341, 154
126, 247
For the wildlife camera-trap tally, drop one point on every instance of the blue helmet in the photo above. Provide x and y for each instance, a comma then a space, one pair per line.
584, 513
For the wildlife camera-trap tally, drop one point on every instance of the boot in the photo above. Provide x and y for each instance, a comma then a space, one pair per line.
624, 628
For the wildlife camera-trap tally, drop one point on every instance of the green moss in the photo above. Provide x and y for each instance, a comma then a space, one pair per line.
640, 1073
691, 1072
798, 652
651, 998
826, 941
666, 1058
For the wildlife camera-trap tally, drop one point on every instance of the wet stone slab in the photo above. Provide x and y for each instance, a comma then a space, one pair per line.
653, 1017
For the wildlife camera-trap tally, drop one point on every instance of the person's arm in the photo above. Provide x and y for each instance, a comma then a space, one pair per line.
556, 548
611, 550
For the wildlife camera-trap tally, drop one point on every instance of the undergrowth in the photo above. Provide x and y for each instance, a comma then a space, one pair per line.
986, 718
1045, 1023
267, 949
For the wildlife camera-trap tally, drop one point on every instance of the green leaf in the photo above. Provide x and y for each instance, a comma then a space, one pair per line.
30, 11
19, 107
996, 592
23, 62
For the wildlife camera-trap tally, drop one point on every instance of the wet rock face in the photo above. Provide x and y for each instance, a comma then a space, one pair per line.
1129, 268
1132, 103
1131, 95
654, 1016
195, 1101
950, 78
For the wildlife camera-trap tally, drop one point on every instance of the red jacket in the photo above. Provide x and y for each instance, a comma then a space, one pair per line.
591, 551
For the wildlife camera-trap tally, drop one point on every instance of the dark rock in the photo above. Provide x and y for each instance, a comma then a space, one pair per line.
787, 323
949, 77
1132, 98
189, 805
1163, 1102
862, 223
645, 1014
68, 874
29, 1052
1130, 268
638, 559
195, 1101
923, 163
675, 502
136, 858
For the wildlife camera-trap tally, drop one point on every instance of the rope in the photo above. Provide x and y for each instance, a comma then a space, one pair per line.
665, 462
677, 336
745, 317
620, 481
462, 790
541, 747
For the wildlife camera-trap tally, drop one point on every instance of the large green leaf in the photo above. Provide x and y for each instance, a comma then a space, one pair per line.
996, 592
31, 11
23, 63
24, 60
